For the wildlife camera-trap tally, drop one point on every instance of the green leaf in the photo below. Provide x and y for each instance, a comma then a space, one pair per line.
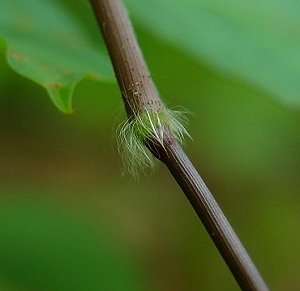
256, 41
55, 43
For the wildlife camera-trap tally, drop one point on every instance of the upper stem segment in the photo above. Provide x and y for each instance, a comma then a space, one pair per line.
136, 85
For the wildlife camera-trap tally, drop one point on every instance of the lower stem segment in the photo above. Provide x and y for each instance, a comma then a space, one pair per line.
211, 215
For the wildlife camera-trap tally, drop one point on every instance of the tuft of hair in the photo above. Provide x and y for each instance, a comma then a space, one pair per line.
132, 133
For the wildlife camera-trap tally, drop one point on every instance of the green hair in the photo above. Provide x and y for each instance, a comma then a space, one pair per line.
150, 125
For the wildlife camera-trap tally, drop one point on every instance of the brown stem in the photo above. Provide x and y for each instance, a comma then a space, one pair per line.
211, 215
139, 94
138, 90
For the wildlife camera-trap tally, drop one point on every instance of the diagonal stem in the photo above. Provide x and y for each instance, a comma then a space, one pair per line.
139, 95
212, 217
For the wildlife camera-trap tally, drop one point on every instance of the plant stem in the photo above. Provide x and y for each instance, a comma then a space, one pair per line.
139, 93
137, 88
212, 217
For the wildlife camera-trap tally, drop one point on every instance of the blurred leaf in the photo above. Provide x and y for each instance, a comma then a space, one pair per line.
44, 248
254, 41
54, 43
57, 43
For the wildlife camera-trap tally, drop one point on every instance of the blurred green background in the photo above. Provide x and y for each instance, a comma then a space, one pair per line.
70, 221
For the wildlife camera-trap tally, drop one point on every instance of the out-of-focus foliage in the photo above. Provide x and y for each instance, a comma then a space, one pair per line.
43, 248
257, 41
56, 43
245, 144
